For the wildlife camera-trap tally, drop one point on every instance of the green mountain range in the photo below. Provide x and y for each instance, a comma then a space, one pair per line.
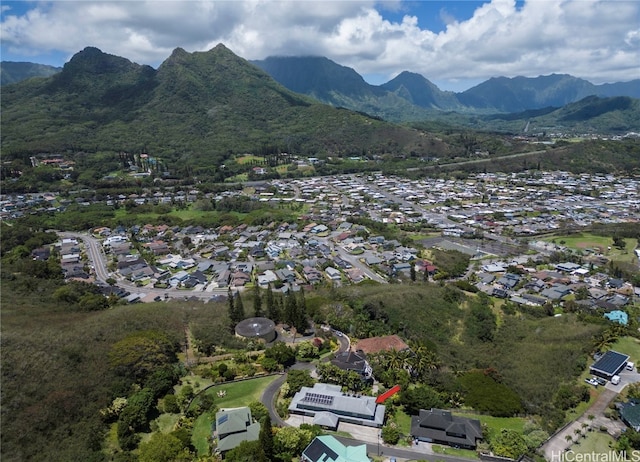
196, 108
332, 83
12, 72
410, 97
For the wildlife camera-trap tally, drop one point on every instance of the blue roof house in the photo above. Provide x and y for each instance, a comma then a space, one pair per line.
617, 316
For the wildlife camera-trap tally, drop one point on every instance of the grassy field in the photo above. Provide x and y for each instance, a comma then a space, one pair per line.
237, 394
602, 243
249, 158
629, 346
594, 443
166, 422
404, 422
582, 241
495, 424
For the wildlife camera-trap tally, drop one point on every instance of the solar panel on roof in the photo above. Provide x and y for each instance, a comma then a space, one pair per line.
318, 398
611, 361
223, 419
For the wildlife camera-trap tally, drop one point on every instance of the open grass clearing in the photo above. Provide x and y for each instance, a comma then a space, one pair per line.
582, 241
496, 424
449, 451
595, 442
603, 244
248, 158
629, 346
404, 421
167, 422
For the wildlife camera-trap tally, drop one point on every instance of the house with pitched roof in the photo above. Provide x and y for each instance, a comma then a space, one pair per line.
325, 448
442, 427
630, 413
233, 426
328, 406
353, 361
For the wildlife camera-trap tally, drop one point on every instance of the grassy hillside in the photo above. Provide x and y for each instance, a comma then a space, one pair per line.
532, 355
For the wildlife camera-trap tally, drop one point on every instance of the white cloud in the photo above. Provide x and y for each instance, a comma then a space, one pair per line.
594, 39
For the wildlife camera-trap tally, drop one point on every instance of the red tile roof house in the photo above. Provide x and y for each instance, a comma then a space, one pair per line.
377, 344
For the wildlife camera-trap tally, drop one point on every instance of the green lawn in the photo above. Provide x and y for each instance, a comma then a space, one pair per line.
237, 394
582, 241
629, 346
495, 424
595, 442
404, 421
591, 241
449, 451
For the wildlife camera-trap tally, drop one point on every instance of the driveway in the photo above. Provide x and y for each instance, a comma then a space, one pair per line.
559, 442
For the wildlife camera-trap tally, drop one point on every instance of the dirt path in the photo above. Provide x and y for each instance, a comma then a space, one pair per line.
190, 355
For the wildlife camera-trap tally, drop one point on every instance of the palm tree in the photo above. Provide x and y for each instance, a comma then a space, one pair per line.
423, 360
395, 359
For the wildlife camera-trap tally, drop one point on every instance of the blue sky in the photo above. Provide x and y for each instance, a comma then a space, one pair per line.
455, 44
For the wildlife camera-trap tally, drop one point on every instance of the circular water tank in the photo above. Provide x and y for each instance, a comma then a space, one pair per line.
257, 328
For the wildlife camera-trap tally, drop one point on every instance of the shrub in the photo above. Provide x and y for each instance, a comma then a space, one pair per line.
485, 394
391, 433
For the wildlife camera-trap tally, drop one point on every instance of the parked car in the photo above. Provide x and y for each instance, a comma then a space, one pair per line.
600, 381
591, 381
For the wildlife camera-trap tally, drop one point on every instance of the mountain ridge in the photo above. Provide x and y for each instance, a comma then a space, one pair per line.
408, 96
197, 108
497, 94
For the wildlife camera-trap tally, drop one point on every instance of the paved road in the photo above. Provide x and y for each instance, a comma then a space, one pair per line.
477, 161
270, 394
401, 453
558, 442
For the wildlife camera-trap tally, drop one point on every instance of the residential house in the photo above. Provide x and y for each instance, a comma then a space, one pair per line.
267, 278
556, 292
178, 278
442, 427
356, 275
355, 361
158, 247
286, 275
329, 406
195, 278
630, 413
509, 280
233, 426
240, 278
325, 448
312, 275
41, 253
333, 274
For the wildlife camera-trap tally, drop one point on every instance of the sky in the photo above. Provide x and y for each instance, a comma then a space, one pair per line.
454, 44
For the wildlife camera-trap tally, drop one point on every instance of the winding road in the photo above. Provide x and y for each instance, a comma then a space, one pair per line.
270, 395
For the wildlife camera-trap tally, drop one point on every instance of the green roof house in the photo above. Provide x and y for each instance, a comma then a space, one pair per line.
630, 413
233, 426
326, 448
